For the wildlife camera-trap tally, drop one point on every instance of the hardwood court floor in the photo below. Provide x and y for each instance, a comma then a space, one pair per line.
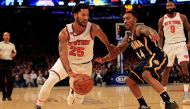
99, 98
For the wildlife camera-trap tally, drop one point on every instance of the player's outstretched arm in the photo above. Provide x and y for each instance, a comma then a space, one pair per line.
96, 31
187, 27
63, 51
147, 31
115, 52
160, 32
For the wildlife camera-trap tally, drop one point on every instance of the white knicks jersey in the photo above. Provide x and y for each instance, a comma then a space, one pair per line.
173, 29
80, 47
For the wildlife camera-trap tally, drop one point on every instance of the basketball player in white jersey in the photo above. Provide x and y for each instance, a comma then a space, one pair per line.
171, 26
76, 42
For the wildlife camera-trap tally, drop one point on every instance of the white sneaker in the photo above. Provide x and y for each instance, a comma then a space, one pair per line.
162, 104
71, 98
186, 99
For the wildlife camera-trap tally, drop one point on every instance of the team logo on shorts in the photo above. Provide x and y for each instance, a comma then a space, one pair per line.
156, 62
186, 56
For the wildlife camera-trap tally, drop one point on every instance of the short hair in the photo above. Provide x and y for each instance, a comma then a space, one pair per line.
79, 6
133, 13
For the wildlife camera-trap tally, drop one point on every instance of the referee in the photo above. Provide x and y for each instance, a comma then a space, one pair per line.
7, 53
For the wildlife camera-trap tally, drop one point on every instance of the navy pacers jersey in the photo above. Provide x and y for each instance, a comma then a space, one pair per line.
143, 46
153, 59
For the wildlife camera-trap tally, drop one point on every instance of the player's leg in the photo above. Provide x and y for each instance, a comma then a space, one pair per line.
137, 93
168, 49
183, 59
46, 88
165, 77
147, 76
185, 79
155, 66
133, 78
54, 77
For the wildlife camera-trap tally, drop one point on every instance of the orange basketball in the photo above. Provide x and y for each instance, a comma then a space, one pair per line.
82, 84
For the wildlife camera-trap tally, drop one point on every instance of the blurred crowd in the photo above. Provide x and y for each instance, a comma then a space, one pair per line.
33, 73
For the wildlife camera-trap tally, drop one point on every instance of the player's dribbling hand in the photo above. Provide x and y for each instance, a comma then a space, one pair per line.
99, 60
72, 74
111, 47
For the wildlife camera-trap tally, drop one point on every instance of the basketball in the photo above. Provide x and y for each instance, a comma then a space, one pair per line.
82, 84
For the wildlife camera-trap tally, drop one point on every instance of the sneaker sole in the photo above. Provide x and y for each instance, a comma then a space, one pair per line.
186, 102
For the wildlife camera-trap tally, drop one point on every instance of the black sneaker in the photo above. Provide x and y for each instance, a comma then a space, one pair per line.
4, 98
144, 107
37, 107
9, 98
171, 105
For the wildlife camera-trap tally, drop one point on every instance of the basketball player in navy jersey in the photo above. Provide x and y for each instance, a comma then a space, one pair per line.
76, 42
153, 60
171, 27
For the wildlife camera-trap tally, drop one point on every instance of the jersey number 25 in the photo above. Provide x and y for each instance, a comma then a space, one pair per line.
76, 51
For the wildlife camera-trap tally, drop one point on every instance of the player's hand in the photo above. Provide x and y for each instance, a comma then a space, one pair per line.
115, 51
111, 47
99, 60
155, 38
72, 74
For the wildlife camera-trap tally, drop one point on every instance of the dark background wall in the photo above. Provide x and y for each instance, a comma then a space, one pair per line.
34, 30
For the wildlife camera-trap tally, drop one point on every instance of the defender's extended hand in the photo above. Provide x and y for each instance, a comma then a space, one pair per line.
99, 60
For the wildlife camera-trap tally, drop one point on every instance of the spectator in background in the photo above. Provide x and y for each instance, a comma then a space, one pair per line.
27, 78
7, 53
33, 77
99, 79
18, 82
40, 80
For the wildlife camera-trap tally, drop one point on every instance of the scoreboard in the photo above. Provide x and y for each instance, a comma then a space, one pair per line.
74, 2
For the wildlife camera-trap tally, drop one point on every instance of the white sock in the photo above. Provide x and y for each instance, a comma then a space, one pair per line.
46, 88
186, 87
165, 88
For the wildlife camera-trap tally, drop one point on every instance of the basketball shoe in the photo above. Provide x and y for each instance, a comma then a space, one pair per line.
37, 107
144, 107
171, 105
186, 99
71, 98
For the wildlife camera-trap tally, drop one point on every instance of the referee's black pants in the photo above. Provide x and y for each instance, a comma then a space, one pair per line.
6, 75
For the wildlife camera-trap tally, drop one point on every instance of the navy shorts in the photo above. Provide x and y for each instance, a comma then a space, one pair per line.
155, 63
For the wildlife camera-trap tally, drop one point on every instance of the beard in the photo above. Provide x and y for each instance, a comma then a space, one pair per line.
170, 11
80, 23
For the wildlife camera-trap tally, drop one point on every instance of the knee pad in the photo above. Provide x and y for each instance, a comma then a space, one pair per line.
79, 98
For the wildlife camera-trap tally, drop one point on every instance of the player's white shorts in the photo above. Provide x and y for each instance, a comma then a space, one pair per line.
76, 68
178, 50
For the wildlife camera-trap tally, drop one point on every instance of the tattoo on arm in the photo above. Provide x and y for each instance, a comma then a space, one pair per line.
63, 51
